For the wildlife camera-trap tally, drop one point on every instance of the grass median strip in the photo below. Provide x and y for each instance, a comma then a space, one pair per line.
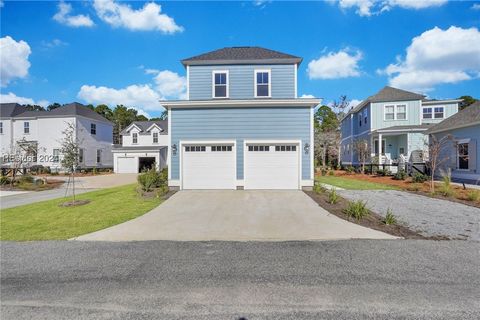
48, 221
351, 184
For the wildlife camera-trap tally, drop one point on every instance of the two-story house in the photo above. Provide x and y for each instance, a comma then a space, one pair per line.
242, 126
144, 144
393, 123
44, 131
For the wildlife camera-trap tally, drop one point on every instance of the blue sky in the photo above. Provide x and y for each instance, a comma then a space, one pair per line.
128, 52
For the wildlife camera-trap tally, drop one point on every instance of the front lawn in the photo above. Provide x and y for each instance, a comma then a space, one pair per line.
48, 221
351, 184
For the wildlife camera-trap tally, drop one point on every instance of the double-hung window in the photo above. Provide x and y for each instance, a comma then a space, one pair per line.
1, 127
401, 112
389, 112
155, 137
93, 129
26, 127
262, 84
134, 137
220, 84
438, 113
463, 156
360, 119
365, 115
427, 113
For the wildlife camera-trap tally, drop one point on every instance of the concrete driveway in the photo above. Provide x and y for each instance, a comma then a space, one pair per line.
236, 215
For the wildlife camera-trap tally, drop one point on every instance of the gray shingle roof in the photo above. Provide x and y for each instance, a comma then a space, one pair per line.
389, 94
144, 125
423, 126
242, 55
468, 116
9, 110
70, 109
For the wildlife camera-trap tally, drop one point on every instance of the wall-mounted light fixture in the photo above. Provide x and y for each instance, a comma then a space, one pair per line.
174, 149
306, 148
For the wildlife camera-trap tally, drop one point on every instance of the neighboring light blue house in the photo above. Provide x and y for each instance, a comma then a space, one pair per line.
462, 155
242, 125
393, 123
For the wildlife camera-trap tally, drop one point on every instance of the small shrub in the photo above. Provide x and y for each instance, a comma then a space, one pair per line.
324, 172
4, 180
473, 195
331, 173
446, 188
94, 170
400, 175
333, 196
26, 179
357, 209
148, 180
317, 188
419, 178
390, 218
350, 169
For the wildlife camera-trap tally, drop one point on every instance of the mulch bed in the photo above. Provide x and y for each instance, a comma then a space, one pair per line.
77, 203
372, 221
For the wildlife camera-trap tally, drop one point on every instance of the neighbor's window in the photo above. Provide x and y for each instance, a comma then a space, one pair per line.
402, 112
439, 113
1, 127
427, 113
389, 112
463, 156
93, 128
134, 137
360, 119
401, 150
26, 127
56, 155
99, 155
220, 84
80, 155
262, 83
155, 137
365, 115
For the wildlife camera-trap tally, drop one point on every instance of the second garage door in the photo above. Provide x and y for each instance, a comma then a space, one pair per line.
127, 165
208, 166
272, 166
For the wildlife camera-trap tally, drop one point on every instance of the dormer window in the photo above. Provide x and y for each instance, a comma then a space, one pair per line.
155, 137
134, 137
26, 127
220, 84
93, 129
262, 84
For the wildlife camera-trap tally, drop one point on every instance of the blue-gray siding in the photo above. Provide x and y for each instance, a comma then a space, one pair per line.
283, 123
241, 82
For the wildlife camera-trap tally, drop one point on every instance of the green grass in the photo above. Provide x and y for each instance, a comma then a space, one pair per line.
47, 221
351, 184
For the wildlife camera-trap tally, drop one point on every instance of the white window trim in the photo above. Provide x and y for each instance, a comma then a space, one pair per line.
427, 107
214, 72
153, 137
433, 113
269, 71
134, 133
461, 141
395, 107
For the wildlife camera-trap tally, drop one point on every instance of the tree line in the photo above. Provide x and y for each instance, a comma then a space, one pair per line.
121, 116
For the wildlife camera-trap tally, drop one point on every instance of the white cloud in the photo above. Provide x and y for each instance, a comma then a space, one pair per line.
476, 6
53, 43
149, 17
14, 57
436, 57
63, 16
144, 97
307, 96
353, 103
366, 8
334, 65
170, 85
11, 97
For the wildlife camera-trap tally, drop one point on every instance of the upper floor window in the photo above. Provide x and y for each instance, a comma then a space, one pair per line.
155, 137
262, 83
365, 115
389, 112
134, 137
360, 119
93, 128
438, 114
220, 84
401, 112
427, 113
1, 127
26, 127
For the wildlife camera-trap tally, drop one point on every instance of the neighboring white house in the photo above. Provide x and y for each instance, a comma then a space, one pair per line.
43, 129
144, 143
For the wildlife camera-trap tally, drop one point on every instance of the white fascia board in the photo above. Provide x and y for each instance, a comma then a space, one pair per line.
434, 102
132, 125
253, 103
154, 125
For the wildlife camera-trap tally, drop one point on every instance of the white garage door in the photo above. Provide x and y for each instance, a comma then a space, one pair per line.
272, 166
127, 165
208, 166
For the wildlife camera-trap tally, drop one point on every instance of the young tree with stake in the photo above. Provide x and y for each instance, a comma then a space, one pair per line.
70, 151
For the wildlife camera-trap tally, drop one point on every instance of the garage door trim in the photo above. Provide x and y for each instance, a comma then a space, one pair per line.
182, 144
298, 143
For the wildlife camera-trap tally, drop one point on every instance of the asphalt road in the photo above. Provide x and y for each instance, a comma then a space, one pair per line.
357, 279
32, 197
